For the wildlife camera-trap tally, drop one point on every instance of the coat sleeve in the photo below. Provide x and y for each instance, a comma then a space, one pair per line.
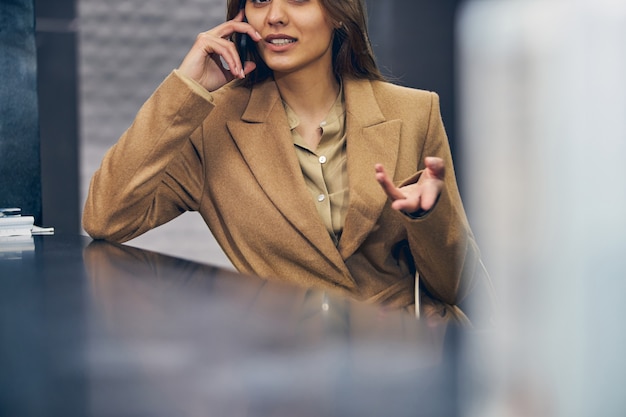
154, 172
441, 241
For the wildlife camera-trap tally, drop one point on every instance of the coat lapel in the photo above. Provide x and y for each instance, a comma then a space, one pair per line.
370, 139
264, 140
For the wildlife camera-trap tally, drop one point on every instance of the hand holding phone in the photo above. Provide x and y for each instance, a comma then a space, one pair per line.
222, 67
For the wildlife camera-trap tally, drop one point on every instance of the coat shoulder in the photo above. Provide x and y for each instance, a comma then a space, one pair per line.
393, 95
233, 91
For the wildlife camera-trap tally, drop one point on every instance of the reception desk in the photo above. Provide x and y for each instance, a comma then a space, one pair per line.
90, 328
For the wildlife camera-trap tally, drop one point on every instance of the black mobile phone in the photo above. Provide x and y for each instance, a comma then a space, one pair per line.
242, 40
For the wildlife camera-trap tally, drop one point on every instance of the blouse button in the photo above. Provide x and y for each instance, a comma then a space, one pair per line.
322, 159
321, 198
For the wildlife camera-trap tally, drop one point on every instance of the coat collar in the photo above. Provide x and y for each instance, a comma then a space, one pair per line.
264, 140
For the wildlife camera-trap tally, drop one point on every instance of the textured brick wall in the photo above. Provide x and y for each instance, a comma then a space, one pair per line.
126, 48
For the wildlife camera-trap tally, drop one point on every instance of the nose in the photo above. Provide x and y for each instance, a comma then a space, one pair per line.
276, 14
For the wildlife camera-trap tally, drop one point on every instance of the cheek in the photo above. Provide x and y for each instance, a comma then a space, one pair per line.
326, 39
254, 18
325, 31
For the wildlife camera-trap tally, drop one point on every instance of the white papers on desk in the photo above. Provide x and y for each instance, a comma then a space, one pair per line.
17, 225
12, 223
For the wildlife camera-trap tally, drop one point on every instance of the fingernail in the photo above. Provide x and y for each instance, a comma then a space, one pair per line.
243, 74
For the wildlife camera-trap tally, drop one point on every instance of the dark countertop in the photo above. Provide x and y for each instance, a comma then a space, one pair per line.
90, 328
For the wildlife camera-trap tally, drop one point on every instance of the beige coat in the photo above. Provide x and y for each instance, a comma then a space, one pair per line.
232, 159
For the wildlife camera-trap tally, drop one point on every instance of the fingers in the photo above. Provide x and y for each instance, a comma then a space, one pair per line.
435, 166
414, 197
234, 58
431, 181
240, 16
400, 201
218, 41
429, 194
246, 27
216, 44
226, 50
248, 67
237, 24
383, 179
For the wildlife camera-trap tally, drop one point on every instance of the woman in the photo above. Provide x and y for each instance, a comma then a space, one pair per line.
291, 158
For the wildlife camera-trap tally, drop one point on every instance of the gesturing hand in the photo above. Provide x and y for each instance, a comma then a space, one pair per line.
419, 196
203, 63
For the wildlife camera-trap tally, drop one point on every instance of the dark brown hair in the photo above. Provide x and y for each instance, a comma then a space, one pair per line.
352, 52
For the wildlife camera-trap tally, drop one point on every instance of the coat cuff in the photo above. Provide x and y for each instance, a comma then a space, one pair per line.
194, 85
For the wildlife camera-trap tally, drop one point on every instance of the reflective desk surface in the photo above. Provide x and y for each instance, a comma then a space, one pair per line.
89, 328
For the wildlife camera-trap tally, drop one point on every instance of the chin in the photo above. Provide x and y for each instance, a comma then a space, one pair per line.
281, 68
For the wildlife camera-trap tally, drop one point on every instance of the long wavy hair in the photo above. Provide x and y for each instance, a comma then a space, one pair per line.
352, 51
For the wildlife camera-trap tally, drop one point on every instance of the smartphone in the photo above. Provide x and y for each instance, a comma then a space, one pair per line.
242, 40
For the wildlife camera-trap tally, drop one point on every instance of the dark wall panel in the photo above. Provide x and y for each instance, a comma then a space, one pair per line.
58, 113
414, 42
19, 140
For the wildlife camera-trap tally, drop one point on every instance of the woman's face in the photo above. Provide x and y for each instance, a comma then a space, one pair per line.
296, 34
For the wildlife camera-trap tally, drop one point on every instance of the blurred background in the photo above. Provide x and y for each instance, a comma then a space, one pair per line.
533, 97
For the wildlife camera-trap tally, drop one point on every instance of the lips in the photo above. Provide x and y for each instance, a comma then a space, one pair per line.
280, 40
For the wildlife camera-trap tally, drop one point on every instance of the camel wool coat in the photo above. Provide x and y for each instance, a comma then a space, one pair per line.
232, 159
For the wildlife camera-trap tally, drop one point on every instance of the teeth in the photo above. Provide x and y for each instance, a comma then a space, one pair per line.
282, 41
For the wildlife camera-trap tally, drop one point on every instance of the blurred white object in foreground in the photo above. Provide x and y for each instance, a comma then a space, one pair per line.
543, 134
